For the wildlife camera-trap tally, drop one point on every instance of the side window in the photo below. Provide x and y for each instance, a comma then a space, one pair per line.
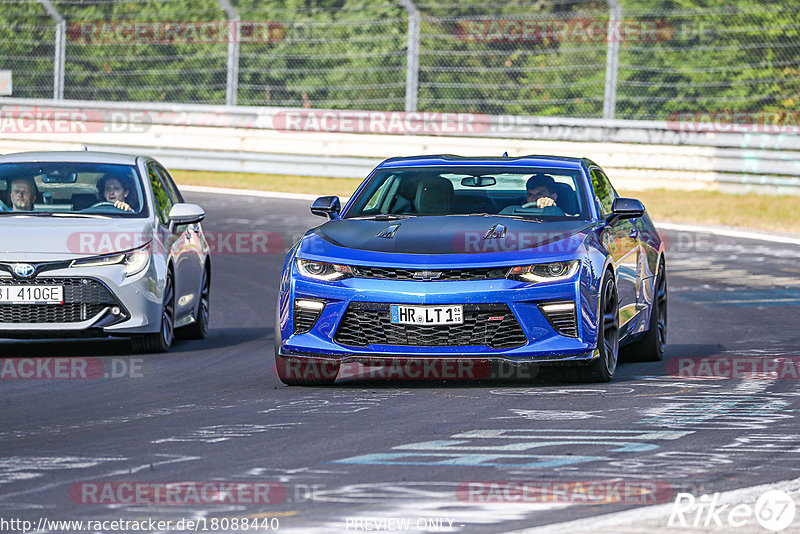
603, 191
163, 202
170, 184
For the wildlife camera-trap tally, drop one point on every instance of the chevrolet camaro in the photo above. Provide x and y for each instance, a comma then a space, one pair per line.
528, 261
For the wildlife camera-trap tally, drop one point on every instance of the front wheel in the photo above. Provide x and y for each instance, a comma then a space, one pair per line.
160, 341
199, 328
602, 368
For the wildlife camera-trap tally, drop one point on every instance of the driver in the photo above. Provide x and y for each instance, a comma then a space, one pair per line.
23, 193
541, 191
115, 190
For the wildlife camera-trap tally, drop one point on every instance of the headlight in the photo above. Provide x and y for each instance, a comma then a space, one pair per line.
134, 261
545, 272
323, 271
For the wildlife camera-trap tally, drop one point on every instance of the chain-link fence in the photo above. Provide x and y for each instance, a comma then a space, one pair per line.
636, 59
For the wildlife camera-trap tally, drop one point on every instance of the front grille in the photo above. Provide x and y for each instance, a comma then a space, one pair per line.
83, 299
366, 323
429, 275
565, 322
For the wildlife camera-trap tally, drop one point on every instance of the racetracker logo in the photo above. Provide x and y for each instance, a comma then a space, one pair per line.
177, 493
402, 369
100, 243
41, 120
563, 31
725, 367
566, 492
70, 368
380, 122
767, 122
553, 242
173, 32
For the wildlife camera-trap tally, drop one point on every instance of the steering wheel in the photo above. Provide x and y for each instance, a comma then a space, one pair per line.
103, 204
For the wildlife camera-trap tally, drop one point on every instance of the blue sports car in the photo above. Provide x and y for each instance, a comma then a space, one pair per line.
524, 261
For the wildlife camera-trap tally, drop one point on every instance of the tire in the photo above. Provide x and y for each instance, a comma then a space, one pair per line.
160, 341
602, 369
199, 328
305, 371
651, 347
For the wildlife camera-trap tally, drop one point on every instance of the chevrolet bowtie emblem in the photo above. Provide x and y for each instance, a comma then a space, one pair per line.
426, 276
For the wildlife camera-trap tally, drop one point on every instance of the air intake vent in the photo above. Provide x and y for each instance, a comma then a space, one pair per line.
306, 314
562, 317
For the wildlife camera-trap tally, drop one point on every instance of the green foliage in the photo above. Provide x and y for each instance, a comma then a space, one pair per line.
703, 55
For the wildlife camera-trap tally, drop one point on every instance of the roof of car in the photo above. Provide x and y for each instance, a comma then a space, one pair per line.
72, 156
505, 161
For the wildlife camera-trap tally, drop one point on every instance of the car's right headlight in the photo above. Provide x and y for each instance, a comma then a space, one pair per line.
323, 271
134, 261
545, 272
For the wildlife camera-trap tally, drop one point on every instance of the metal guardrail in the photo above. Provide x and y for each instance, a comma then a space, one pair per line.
245, 139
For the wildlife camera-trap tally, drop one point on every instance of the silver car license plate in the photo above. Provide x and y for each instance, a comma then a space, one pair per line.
32, 294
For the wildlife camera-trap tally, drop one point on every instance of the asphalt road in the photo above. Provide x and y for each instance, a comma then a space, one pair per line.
214, 411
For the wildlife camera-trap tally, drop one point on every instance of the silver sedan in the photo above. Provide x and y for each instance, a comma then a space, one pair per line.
97, 244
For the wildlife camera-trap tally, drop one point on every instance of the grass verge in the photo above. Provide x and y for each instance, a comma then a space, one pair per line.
773, 213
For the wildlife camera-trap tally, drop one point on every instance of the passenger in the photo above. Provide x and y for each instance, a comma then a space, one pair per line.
541, 191
115, 189
23, 194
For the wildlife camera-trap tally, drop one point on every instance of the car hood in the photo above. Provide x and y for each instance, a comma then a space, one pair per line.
433, 239
31, 238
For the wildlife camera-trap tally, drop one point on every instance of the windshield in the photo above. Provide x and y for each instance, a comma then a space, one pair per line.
71, 189
519, 192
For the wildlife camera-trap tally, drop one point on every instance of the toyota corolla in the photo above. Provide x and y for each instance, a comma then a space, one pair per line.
98, 244
529, 261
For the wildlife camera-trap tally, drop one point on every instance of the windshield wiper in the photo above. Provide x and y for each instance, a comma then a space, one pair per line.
29, 213
383, 217
54, 214
89, 215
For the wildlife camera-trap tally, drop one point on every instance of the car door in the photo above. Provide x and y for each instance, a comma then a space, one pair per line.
176, 244
622, 242
196, 247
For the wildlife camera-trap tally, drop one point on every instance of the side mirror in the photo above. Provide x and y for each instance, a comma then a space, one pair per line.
183, 213
327, 207
625, 208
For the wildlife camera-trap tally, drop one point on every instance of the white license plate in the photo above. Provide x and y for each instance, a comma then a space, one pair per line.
427, 314
32, 294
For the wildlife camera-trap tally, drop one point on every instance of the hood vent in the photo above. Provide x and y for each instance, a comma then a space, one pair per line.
389, 231
498, 231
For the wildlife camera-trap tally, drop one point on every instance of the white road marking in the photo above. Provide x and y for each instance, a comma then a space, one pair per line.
658, 512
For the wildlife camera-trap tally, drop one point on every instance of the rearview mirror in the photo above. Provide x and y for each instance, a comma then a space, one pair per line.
327, 207
625, 208
56, 177
182, 213
478, 181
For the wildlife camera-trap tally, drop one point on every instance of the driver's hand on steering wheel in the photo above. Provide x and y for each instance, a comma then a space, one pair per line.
122, 205
542, 202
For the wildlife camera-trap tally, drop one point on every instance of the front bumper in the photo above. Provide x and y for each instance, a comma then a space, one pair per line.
543, 343
98, 301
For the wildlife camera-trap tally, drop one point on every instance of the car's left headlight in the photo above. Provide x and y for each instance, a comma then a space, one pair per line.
323, 271
545, 272
135, 261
